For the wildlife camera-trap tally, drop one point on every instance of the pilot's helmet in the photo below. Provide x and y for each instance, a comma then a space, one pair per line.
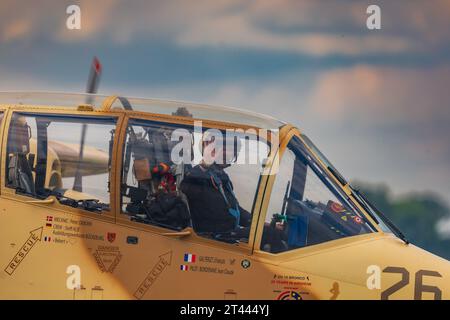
219, 148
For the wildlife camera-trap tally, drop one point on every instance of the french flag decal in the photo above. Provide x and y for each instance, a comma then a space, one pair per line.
189, 257
184, 267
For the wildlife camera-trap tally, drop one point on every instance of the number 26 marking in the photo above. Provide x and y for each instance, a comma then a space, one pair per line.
419, 287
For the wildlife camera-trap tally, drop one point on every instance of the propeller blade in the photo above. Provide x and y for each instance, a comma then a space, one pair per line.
92, 86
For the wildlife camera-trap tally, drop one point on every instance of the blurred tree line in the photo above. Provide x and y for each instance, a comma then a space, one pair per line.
416, 214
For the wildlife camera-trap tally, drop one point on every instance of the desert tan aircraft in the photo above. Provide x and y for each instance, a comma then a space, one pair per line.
119, 199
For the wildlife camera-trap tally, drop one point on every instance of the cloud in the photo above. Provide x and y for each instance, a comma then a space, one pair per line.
402, 112
372, 93
17, 29
238, 31
313, 28
18, 81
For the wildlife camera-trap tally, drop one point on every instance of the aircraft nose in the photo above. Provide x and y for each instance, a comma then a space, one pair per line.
429, 274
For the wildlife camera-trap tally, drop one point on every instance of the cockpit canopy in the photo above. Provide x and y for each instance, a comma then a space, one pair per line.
169, 177
153, 106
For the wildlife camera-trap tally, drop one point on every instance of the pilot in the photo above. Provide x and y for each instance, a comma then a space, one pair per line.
213, 205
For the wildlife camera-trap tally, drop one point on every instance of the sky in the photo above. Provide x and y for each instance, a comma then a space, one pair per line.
376, 102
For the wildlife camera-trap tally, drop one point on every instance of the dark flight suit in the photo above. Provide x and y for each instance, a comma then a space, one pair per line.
209, 206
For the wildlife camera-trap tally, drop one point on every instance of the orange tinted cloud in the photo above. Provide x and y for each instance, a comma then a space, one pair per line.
237, 31
390, 93
319, 27
15, 30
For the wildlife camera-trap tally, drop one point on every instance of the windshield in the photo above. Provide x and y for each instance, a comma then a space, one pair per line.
306, 208
371, 210
324, 159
